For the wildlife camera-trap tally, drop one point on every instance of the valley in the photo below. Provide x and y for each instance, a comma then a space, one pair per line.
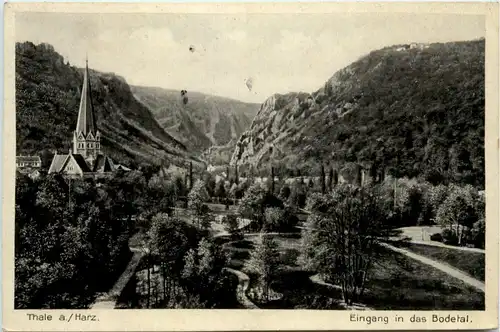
307, 201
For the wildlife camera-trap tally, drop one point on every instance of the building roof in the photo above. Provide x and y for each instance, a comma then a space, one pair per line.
58, 163
121, 167
28, 159
86, 120
60, 160
80, 161
103, 164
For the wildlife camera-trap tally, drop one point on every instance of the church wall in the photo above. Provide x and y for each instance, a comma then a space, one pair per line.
72, 168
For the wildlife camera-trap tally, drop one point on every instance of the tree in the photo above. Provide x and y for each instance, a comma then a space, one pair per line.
170, 239
310, 184
254, 202
236, 176
203, 274
220, 190
206, 218
197, 198
342, 235
233, 192
297, 196
231, 224
263, 261
279, 219
410, 201
329, 183
322, 179
436, 196
161, 195
190, 175
460, 211
284, 192
209, 180
61, 244
335, 178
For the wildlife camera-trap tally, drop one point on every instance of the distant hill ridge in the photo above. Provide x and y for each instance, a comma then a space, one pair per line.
47, 97
410, 110
203, 122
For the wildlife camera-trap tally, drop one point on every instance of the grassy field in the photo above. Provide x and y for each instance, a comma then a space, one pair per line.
396, 282
469, 262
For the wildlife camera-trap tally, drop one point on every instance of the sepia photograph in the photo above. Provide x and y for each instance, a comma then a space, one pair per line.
322, 161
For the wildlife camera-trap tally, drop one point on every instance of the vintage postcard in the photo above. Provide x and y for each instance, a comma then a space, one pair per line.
229, 167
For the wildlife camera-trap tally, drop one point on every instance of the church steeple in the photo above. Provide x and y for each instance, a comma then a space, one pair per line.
86, 137
86, 121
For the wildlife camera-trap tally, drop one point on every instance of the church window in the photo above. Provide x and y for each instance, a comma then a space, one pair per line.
97, 145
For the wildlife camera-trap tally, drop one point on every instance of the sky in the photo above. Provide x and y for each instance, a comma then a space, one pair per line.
280, 53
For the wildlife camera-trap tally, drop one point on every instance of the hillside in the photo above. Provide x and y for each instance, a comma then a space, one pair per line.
47, 99
406, 110
204, 121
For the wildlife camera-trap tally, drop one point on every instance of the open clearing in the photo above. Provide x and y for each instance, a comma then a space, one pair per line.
472, 263
396, 283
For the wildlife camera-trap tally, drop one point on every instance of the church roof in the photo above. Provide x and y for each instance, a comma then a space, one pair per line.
60, 160
104, 164
80, 161
57, 163
86, 120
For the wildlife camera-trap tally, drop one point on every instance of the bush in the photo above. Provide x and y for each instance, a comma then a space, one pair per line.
279, 220
437, 237
449, 237
231, 225
460, 210
477, 235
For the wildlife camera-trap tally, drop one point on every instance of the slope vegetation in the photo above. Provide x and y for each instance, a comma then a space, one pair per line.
47, 101
406, 110
203, 121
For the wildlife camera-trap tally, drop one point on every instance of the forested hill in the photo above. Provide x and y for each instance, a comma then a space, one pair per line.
411, 110
47, 101
200, 121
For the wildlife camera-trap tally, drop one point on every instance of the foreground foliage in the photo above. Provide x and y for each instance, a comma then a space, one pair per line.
341, 237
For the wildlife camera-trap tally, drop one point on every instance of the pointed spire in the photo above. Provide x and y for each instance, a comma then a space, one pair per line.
86, 120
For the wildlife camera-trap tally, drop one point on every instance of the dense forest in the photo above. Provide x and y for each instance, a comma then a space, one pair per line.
406, 111
47, 101
72, 239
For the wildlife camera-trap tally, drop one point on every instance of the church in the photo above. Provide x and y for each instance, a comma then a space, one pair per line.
85, 158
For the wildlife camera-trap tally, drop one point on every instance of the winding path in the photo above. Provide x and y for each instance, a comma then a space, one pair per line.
241, 290
355, 306
442, 245
108, 301
440, 266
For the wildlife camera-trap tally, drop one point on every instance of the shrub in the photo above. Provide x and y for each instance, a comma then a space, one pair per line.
437, 237
231, 224
449, 237
279, 220
477, 235
461, 209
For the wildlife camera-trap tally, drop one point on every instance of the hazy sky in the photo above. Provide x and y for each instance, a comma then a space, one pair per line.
281, 53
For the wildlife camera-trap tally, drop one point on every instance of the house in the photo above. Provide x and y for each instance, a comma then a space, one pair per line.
85, 158
28, 161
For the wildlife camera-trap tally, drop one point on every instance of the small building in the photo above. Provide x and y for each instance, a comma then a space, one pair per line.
28, 161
